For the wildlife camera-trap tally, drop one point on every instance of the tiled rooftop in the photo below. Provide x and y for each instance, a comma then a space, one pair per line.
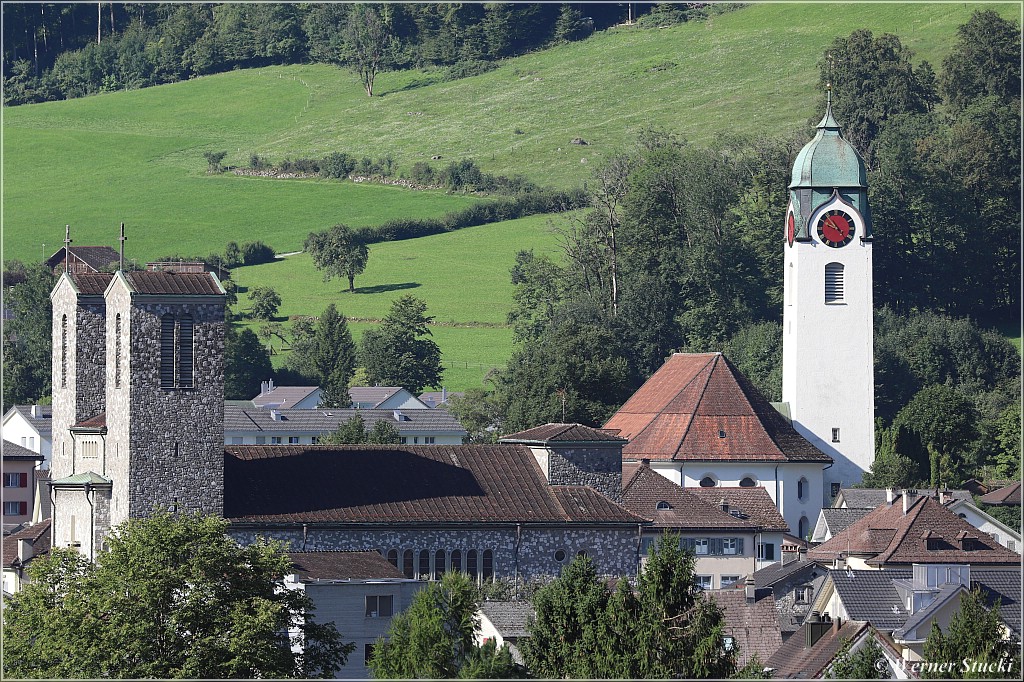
325, 420
645, 489
342, 566
91, 283
755, 503
38, 534
97, 257
284, 396
839, 519
508, 617
1008, 495
699, 407
43, 423
755, 627
173, 283
13, 451
404, 484
564, 433
794, 660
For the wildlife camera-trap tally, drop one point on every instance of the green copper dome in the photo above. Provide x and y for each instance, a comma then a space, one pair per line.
828, 160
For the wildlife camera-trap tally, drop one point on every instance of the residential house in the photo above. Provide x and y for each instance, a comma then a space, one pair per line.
505, 623
83, 259
20, 549
832, 520
30, 426
1008, 495
811, 653
872, 498
435, 398
751, 624
287, 397
357, 591
794, 582
1003, 534
19, 489
754, 505
724, 544
702, 424
259, 426
384, 398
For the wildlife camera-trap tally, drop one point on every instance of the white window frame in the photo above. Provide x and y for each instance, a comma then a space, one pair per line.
705, 582
730, 546
701, 546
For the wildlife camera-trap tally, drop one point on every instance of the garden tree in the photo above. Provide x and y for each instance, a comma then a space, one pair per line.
940, 425
254, 253
367, 45
434, 638
872, 80
397, 353
246, 364
984, 62
264, 302
571, 24
478, 412
338, 252
1007, 457
27, 341
170, 598
866, 663
232, 255
975, 634
332, 356
575, 371
270, 331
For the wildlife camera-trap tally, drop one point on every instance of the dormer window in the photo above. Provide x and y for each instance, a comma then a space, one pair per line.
663, 505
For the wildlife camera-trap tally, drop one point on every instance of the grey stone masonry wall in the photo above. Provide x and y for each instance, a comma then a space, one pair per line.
532, 551
165, 447
594, 466
77, 368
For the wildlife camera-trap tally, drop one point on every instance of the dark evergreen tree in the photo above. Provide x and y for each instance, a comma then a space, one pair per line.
333, 358
976, 635
27, 339
246, 364
398, 353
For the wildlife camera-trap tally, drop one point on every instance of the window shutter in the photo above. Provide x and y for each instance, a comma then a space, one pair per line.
23, 508
834, 283
716, 546
185, 351
167, 351
739, 546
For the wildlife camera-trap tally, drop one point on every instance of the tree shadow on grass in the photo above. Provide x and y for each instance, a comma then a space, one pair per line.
382, 288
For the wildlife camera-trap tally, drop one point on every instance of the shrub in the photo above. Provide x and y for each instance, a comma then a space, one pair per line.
467, 68
337, 165
422, 173
254, 253
214, 159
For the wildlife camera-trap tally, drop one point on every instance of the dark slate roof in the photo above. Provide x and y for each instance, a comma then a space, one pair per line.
682, 409
509, 617
325, 420
15, 452
564, 433
96, 257
38, 534
284, 396
91, 283
156, 282
779, 572
888, 536
645, 488
1008, 495
43, 424
794, 660
755, 626
391, 484
342, 566
838, 519
754, 502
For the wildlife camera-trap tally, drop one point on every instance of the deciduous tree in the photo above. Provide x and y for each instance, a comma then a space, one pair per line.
368, 42
338, 252
263, 303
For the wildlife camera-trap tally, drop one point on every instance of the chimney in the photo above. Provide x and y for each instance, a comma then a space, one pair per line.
908, 499
645, 463
836, 624
750, 590
264, 387
275, 415
814, 628
890, 496
444, 395
37, 411
25, 550
723, 505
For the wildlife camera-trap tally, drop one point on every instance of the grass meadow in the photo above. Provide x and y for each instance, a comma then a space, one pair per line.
137, 157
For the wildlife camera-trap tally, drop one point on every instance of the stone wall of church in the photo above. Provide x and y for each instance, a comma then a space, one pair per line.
597, 467
539, 551
79, 520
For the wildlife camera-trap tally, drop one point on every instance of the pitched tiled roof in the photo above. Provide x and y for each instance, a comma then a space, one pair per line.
96, 257
755, 627
1008, 495
509, 617
887, 535
870, 498
403, 484
325, 420
43, 424
372, 394
645, 489
284, 396
13, 451
778, 572
174, 283
564, 433
342, 566
755, 503
97, 422
38, 534
839, 519
91, 283
794, 660
699, 407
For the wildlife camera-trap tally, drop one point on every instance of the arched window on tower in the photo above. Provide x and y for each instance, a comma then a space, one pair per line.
64, 351
834, 283
804, 527
167, 351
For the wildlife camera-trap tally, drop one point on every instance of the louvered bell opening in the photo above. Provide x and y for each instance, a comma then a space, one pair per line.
185, 352
167, 351
834, 283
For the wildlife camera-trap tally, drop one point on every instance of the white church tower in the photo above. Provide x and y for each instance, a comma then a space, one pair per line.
827, 358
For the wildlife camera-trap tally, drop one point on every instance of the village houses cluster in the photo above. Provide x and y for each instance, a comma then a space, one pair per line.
761, 493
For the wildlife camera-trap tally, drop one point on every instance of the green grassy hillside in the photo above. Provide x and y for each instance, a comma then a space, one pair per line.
137, 156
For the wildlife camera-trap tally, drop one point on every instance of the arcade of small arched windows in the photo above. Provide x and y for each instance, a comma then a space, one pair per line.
427, 565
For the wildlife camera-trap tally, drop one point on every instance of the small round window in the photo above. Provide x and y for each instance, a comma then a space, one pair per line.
747, 482
707, 482
560, 555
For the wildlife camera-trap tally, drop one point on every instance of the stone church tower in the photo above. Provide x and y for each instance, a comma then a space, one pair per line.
138, 416
828, 360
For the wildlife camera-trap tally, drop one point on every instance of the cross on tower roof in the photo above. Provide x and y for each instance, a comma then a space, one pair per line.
122, 239
67, 246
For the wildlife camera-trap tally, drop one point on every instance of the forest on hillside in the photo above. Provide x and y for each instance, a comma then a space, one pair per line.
60, 51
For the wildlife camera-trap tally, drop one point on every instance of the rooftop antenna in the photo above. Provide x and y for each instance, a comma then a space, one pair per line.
67, 246
122, 239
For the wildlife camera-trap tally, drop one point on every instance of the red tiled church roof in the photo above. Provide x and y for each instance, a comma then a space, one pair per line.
699, 407
927, 533
403, 484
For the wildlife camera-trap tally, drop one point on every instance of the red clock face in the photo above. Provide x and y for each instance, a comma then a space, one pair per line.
835, 228
790, 227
